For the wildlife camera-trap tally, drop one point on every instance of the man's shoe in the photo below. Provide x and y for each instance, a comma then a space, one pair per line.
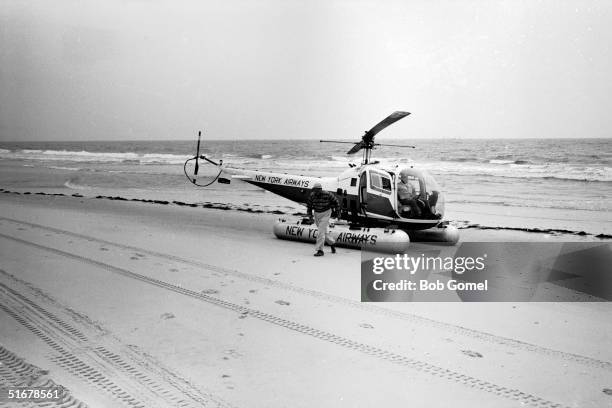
333, 249
319, 253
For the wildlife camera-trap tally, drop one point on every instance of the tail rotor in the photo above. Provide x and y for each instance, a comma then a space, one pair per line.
196, 169
197, 165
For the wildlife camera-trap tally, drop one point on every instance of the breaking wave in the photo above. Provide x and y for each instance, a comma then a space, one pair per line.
64, 168
556, 171
504, 161
74, 185
521, 166
93, 157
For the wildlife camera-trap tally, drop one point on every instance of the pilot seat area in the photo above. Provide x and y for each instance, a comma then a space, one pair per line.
419, 197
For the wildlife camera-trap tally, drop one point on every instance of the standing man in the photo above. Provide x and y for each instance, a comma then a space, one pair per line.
322, 202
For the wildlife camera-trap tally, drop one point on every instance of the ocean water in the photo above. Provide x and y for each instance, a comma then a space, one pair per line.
505, 176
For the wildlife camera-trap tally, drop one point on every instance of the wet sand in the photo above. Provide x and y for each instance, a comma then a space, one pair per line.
136, 303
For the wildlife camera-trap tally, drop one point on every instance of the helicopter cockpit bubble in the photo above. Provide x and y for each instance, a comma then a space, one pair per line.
427, 193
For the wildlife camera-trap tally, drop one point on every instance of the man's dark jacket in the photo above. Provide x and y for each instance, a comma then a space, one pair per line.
320, 201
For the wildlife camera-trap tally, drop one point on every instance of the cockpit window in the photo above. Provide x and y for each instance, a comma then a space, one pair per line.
431, 183
380, 183
429, 200
414, 182
386, 183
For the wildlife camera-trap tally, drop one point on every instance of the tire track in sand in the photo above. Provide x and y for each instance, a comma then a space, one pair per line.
126, 381
376, 352
17, 372
410, 317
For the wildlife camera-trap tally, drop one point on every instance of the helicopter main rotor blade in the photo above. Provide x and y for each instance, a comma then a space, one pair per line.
389, 120
367, 139
335, 141
353, 150
358, 146
394, 145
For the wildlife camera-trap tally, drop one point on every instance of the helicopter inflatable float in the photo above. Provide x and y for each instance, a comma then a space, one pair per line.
371, 214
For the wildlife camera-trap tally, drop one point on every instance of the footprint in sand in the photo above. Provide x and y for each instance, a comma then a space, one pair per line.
233, 353
282, 302
167, 316
366, 326
471, 353
229, 384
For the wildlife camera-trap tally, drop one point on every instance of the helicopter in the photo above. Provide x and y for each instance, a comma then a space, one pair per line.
367, 193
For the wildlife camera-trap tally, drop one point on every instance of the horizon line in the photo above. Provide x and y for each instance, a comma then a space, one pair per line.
301, 140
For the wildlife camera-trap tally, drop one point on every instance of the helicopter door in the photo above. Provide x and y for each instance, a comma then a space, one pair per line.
376, 193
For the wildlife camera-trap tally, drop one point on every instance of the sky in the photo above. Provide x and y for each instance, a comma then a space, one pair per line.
284, 69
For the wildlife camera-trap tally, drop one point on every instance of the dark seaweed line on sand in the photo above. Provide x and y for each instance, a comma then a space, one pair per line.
216, 206
534, 230
222, 206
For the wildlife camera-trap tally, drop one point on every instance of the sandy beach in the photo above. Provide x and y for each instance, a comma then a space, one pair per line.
160, 161
136, 304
